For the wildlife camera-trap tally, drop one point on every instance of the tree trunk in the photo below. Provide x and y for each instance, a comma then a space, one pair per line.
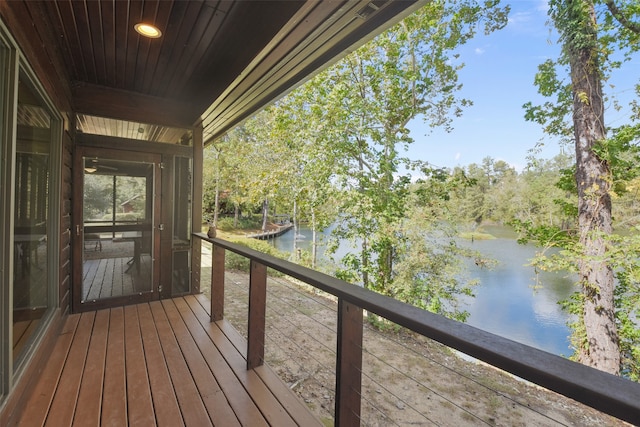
216, 203
265, 214
593, 178
236, 214
314, 239
295, 230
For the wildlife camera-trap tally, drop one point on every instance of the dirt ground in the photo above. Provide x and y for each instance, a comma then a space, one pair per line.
407, 380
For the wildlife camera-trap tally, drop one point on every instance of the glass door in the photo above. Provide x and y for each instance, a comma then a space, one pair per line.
117, 228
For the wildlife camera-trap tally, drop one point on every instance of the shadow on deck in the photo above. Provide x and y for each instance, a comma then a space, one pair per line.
158, 363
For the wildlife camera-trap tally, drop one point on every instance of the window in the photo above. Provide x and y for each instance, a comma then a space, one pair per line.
32, 222
30, 130
5, 215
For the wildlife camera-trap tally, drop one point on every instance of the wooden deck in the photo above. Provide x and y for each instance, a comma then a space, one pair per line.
112, 277
160, 363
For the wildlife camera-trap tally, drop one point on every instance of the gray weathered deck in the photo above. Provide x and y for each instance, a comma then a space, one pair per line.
112, 277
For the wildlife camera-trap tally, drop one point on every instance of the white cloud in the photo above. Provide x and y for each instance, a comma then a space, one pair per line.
518, 18
479, 51
457, 156
543, 6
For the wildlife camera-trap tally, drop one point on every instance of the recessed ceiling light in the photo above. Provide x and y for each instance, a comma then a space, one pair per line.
148, 30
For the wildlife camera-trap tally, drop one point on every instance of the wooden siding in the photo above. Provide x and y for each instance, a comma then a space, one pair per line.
158, 363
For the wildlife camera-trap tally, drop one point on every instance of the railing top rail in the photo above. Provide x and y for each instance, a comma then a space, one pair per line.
605, 392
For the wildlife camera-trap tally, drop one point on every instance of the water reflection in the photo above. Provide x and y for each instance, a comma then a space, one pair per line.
507, 301
514, 302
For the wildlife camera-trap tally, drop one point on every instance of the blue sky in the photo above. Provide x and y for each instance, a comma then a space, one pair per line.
498, 77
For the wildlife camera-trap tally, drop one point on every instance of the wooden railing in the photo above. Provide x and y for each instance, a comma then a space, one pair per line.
607, 393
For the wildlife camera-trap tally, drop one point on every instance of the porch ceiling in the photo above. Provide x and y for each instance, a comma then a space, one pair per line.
217, 61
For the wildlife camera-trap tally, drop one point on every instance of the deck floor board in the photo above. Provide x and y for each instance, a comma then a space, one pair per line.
159, 363
114, 395
114, 277
246, 410
64, 401
141, 408
90, 397
164, 398
212, 396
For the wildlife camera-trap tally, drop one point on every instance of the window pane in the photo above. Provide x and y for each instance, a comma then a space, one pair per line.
31, 216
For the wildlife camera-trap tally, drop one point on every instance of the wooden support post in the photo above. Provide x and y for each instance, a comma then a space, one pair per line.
217, 283
257, 312
348, 365
196, 206
196, 265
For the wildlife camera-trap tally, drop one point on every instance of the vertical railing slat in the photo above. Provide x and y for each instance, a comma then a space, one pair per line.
217, 283
257, 311
348, 364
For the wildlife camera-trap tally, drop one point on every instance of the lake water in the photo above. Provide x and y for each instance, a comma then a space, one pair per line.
506, 302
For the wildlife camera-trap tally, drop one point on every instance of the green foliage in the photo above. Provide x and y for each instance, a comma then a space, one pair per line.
369, 98
100, 192
627, 300
622, 256
238, 262
597, 37
121, 216
622, 152
243, 223
429, 271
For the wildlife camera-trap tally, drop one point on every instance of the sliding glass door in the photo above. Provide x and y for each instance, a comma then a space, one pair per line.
33, 204
30, 130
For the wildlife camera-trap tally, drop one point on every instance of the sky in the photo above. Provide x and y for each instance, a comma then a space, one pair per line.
498, 77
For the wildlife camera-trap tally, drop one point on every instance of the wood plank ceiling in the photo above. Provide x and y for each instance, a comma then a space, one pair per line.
217, 61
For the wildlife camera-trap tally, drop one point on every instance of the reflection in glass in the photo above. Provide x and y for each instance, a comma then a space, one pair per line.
31, 200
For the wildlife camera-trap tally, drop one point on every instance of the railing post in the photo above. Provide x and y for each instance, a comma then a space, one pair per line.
257, 312
348, 364
217, 283
196, 265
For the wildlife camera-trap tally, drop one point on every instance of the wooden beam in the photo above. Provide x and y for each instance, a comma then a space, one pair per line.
257, 311
196, 207
217, 283
124, 105
348, 364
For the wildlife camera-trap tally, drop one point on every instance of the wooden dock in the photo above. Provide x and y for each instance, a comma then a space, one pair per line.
270, 234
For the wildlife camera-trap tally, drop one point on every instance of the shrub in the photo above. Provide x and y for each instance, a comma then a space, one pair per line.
244, 223
234, 261
122, 216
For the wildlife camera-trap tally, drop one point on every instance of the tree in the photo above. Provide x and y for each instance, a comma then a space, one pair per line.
589, 35
366, 102
311, 165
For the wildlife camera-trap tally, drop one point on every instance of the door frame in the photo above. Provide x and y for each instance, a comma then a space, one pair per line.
77, 228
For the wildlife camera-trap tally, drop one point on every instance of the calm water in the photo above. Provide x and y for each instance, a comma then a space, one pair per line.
506, 302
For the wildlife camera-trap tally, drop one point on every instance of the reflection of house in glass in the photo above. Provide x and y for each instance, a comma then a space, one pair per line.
128, 206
